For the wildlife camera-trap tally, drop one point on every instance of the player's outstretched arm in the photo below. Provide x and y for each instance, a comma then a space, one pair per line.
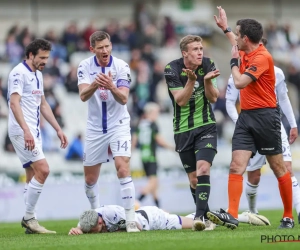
49, 116
221, 21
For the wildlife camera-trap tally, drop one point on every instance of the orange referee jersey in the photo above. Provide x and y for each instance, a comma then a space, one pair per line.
260, 93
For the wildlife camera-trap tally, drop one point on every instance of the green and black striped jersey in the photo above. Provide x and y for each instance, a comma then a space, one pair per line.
198, 111
146, 133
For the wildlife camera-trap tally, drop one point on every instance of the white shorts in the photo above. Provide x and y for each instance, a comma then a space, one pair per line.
27, 157
259, 160
96, 146
158, 219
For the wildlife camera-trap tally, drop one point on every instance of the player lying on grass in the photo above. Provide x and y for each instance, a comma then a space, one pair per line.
111, 218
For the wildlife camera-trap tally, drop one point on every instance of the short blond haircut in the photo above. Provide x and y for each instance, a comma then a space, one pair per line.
187, 40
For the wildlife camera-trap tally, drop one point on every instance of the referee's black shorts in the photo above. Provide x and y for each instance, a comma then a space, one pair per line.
258, 130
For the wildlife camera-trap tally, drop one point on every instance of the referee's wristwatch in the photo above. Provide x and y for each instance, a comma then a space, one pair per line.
228, 29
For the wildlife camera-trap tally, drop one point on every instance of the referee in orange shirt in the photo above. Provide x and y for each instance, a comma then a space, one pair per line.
258, 126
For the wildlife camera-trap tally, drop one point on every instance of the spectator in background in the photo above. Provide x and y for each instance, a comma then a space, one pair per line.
71, 39
72, 80
58, 50
87, 32
14, 50
75, 151
169, 35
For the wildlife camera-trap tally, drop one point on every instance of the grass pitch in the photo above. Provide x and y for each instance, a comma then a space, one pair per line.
244, 237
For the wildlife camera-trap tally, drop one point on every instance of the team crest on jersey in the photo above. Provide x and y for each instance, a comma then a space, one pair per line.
103, 95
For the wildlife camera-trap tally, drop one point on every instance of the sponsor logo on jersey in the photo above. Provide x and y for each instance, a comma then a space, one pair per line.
168, 67
129, 77
16, 81
208, 145
37, 92
169, 73
253, 68
186, 166
207, 136
80, 74
183, 73
103, 95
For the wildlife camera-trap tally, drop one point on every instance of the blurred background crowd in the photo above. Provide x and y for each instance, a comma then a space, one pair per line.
148, 38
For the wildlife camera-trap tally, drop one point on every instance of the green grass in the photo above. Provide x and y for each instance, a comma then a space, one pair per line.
245, 237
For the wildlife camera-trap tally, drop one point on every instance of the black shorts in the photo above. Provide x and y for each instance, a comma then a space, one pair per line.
197, 144
150, 168
258, 130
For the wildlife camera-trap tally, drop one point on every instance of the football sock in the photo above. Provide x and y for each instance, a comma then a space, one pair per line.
142, 196
33, 193
243, 218
296, 194
92, 193
193, 191
25, 197
251, 191
128, 197
285, 189
25, 192
156, 201
202, 194
235, 189
206, 210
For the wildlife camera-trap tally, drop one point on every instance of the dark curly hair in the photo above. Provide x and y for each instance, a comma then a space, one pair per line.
36, 45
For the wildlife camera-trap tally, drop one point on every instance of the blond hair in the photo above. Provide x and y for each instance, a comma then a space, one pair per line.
187, 40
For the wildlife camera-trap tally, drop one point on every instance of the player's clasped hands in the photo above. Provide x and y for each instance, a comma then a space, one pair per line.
190, 74
105, 81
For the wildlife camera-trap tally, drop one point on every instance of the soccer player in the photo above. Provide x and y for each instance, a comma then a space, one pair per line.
111, 218
147, 137
27, 102
104, 81
192, 88
258, 127
256, 163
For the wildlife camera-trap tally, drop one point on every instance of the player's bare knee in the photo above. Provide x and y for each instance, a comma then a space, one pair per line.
203, 169
236, 168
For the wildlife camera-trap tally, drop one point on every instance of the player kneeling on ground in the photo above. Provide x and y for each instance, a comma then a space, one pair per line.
111, 218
